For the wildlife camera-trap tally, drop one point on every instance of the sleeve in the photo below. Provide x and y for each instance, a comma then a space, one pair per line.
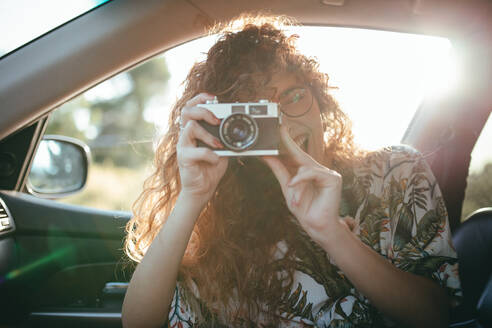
417, 234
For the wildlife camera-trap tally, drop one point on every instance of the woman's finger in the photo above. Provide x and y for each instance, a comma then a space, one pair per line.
321, 176
293, 150
279, 170
189, 156
199, 99
193, 132
298, 193
197, 114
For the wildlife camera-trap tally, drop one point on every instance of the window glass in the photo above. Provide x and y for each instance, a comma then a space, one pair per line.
112, 119
381, 78
24, 20
479, 183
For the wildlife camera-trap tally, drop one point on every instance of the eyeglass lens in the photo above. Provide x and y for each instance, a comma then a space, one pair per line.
296, 101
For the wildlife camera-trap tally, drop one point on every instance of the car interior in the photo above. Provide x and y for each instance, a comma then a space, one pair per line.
63, 265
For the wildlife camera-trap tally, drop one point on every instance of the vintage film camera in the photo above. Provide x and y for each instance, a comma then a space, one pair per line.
247, 129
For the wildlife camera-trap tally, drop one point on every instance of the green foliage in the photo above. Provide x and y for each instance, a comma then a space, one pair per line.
311, 259
295, 304
428, 227
372, 215
425, 266
110, 119
395, 195
479, 191
112, 123
403, 232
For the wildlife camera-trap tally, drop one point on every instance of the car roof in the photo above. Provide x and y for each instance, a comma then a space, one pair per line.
52, 69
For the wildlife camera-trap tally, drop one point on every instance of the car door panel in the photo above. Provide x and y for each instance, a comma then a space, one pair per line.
56, 262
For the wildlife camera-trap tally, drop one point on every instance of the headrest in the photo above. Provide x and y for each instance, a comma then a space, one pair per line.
473, 243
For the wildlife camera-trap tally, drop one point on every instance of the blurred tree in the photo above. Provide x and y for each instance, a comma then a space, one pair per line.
110, 117
478, 191
62, 120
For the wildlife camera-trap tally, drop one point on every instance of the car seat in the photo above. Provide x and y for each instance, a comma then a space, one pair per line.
473, 243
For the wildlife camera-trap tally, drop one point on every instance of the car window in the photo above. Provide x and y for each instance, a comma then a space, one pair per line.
24, 20
478, 192
380, 79
112, 120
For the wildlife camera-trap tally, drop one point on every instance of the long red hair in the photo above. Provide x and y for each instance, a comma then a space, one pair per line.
231, 253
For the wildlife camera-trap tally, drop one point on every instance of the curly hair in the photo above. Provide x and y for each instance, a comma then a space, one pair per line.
231, 252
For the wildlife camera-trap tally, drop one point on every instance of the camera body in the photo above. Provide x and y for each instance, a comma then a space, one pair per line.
246, 129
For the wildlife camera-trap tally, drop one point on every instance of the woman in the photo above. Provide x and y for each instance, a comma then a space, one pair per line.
284, 241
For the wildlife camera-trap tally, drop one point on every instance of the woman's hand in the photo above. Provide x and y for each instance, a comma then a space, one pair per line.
150, 293
312, 194
200, 169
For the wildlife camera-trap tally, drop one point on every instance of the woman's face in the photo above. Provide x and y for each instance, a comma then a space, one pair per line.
302, 115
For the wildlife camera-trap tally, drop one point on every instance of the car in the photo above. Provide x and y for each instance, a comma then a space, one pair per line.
62, 264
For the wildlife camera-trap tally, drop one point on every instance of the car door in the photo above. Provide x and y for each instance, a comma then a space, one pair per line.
60, 264
60, 259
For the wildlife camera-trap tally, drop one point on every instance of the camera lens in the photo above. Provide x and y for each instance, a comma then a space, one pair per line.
238, 132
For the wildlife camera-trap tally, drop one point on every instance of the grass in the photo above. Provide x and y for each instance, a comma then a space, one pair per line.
111, 188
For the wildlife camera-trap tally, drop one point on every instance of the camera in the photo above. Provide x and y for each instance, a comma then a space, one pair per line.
246, 129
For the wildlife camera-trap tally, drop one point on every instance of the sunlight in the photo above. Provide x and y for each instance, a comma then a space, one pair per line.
382, 77
30, 267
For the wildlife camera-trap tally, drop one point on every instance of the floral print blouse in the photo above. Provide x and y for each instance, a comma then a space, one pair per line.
399, 212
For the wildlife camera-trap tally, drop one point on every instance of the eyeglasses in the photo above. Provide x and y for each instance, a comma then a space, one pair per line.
296, 101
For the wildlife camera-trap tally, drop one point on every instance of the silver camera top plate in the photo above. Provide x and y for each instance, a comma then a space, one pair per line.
257, 109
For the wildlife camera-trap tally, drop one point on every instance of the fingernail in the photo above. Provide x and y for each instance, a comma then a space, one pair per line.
218, 144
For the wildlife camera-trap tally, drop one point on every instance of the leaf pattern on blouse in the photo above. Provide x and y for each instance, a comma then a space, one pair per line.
399, 212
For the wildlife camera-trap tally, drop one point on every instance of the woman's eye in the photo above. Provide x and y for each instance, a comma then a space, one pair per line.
293, 96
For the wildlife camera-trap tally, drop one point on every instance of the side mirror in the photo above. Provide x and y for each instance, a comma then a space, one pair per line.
59, 168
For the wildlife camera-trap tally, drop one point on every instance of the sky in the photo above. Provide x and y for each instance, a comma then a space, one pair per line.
381, 77
23, 20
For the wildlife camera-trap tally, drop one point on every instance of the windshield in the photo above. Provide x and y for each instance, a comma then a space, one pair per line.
24, 20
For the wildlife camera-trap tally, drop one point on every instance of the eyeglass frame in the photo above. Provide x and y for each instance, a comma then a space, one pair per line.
304, 112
